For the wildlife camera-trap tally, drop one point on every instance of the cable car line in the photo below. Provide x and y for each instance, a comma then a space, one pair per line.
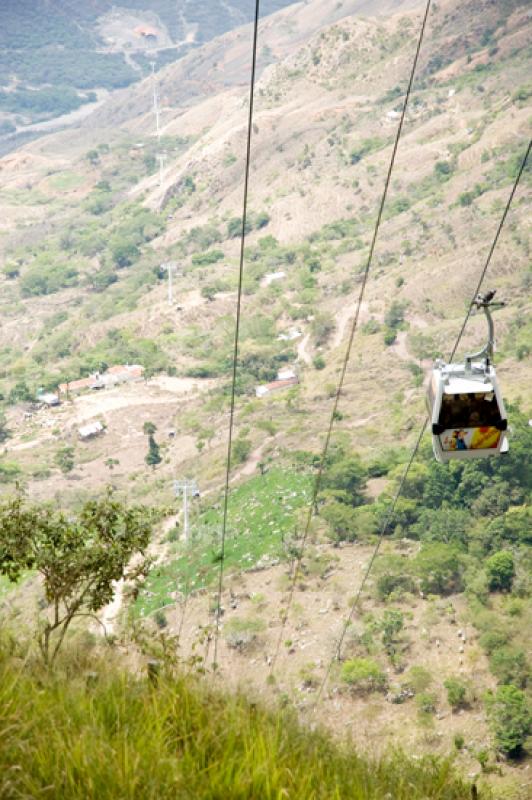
337, 651
492, 249
319, 476
237, 329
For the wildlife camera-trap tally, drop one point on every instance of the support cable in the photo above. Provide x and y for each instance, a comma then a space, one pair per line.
492, 248
389, 517
323, 457
237, 331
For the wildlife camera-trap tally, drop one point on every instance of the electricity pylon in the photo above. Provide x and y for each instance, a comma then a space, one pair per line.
186, 488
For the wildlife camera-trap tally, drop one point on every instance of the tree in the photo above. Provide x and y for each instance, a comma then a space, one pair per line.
234, 227
345, 481
440, 568
395, 315
391, 625
78, 558
322, 326
149, 428
510, 718
456, 693
124, 253
64, 458
363, 675
501, 571
4, 432
241, 450
154, 456
209, 292
93, 157
510, 666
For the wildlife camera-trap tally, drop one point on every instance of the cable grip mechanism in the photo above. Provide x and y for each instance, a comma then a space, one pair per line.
487, 304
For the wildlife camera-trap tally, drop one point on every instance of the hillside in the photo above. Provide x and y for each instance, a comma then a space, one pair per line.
90, 218
55, 57
131, 739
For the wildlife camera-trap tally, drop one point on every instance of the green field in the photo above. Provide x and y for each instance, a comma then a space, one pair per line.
262, 512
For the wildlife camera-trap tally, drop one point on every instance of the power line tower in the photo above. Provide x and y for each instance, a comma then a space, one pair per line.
155, 101
170, 267
186, 488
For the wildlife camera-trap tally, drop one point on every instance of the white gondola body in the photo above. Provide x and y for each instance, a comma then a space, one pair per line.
467, 413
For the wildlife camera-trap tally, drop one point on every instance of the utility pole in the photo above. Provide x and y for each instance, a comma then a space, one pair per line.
155, 101
169, 266
186, 488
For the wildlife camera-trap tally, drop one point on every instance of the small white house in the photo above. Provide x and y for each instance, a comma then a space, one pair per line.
270, 277
286, 374
285, 377
49, 399
289, 336
90, 431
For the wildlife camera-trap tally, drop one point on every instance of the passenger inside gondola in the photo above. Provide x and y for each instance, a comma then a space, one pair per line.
469, 410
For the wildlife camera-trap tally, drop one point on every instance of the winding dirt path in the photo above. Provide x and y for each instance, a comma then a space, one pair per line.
302, 350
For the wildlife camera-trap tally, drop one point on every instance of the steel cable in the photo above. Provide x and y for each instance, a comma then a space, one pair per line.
338, 649
237, 332
323, 457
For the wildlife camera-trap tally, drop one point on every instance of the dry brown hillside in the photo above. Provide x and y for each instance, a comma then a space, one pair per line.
89, 215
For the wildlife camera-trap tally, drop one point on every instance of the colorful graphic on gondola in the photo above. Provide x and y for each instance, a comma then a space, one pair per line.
485, 438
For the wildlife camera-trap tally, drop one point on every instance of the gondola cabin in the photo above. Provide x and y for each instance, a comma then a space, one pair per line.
466, 411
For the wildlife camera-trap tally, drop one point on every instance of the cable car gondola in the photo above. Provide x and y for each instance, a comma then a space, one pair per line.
465, 404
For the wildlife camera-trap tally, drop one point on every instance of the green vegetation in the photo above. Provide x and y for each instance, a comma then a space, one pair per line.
500, 569
64, 458
179, 738
363, 675
510, 717
78, 559
241, 634
366, 147
262, 516
456, 693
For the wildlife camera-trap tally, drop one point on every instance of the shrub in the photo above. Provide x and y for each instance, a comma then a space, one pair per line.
318, 362
47, 278
439, 568
509, 665
9, 471
241, 450
234, 227
322, 326
371, 326
391, 625
393, 583
456, 693
209, 257
493, 640
443, 170
342, 519
389, 337
363, 675
426, 702
160, 619
64, 458
124, 253
418, 679
242, 633
510, 718
4, 431
501, 571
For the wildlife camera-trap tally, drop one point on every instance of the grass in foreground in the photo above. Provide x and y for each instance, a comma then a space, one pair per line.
124, 738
